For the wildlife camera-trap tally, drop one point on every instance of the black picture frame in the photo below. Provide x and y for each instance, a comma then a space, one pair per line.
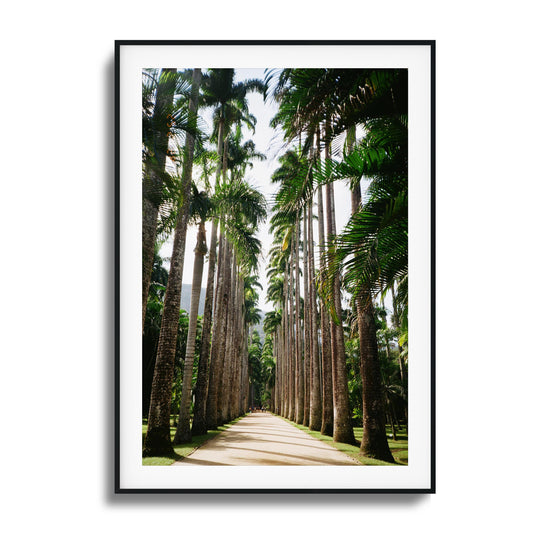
121, 262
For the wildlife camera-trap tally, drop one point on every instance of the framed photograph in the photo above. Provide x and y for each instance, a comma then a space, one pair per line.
275, 278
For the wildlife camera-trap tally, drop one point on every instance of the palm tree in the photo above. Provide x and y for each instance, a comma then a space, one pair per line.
275, 320
278, 293
199, 424
243, 208
155, 147
150, 338
306, 95
287, 218
307, 320
374, 441
165, 119
199, 208
342, 422
271, 327
251, 316
315, 408
327, 385
373, 246
211, 416
240, 158
157, 442
300, 394
309, 100
230, 105
226, 350
268, 364
378, 100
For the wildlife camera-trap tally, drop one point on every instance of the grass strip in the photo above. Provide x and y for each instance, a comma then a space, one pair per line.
183, 450
397, 447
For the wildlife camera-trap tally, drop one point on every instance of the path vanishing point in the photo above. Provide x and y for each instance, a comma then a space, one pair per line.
264, 439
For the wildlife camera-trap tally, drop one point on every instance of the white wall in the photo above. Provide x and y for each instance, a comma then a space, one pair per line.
57, 341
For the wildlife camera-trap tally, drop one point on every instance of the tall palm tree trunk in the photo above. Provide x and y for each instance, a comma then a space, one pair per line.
279, 363
237, 376
233, 347
283, 354
220, 343
298, 350
183, 431
199, 423
374, 442
157, 441
342, 421
225, 391
327, 385
307, 333
245, 376
290, 351
151, 198
236, 382
149, 236
279, 379
215, 366
286, 347
315, 412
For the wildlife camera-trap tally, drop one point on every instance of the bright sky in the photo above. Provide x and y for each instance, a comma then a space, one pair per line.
270, 143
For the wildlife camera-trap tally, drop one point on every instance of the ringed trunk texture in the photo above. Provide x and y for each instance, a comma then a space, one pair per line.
228, 346
290, 352
285, 326
157, 442
278, 372
245, 373
315, 412
327, 384
374, 442
220, 343
215, 367
199, 422
149, 236
152, 196
285, 349
307, 334
298, 351
183, 432
239, 409
233, 346
237, 361
342, 421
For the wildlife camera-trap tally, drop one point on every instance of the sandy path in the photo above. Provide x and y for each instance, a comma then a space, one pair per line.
264, 439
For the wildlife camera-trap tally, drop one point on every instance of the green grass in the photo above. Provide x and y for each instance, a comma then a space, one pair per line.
398, 447
182, 450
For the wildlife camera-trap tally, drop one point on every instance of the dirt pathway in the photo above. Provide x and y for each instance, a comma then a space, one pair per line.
264, 439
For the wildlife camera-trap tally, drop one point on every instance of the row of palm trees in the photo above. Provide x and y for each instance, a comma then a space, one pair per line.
306, 367
173, 138
320, 111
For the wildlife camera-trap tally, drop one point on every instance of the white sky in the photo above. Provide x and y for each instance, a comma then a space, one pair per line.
270, 143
